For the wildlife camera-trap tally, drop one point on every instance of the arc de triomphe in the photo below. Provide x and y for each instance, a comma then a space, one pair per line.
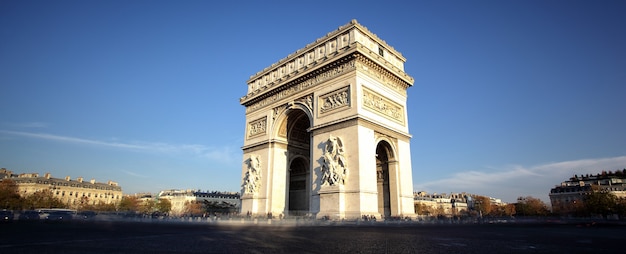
327, 131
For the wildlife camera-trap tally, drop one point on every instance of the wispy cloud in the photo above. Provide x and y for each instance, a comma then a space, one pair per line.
223, 155
516, 180
134, 174
28, 125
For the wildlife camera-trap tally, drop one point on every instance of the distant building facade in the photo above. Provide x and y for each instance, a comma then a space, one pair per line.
440, 204
180, 198
71, 192
565, 196
445, 204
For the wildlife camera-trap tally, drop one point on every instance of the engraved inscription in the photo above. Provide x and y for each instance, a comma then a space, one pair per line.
383, 106
334, 100
257, 127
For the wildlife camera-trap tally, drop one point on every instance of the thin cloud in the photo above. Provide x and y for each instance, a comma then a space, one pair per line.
134, 174
28, 125
515, 181
67, 139
224, 155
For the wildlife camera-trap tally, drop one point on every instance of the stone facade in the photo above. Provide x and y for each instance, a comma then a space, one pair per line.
327, 131
180, 198
70, 191
564, 197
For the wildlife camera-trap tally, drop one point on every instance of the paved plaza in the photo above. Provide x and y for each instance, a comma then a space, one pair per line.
143, 237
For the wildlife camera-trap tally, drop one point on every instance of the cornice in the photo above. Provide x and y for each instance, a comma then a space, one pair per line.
329, 36
335, 45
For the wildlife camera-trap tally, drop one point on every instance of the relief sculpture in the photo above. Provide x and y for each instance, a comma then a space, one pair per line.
334, 167
335, 100
252, 179
383, 106
257, 127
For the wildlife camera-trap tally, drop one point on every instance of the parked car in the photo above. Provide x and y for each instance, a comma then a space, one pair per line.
6, 215
59, 216
28, 215
87, 215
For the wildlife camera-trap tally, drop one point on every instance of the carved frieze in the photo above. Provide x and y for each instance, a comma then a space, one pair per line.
383, 106
257, 127
373, 70
305, 83
334, 100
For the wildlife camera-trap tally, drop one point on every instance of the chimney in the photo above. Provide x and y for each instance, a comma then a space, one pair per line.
67, 178
93, 181
47, 175
79, 179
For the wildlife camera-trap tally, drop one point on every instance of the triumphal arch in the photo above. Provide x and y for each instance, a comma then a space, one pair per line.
327, 131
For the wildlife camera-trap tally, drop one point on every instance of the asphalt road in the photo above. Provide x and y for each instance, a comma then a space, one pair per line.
142, 237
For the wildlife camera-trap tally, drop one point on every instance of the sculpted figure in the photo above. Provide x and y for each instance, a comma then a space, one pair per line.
334, 166
252, 181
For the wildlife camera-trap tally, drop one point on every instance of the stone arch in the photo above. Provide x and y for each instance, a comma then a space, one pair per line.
335, 87
386, 178
281, 114
292, 128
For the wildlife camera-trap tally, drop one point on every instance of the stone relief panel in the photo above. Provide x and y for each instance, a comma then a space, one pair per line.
257, 127
383, 106
334, 100
304, 84
252, 179
334, 164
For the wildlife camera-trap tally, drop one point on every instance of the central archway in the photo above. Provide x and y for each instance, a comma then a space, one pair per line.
298, 151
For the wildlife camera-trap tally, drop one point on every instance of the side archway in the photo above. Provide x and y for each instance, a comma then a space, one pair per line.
385, 158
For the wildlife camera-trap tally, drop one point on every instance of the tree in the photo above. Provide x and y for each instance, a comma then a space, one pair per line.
598, 202
621, 207
147, 206
43, 199
482, 204
163, 206
193, 208
502, 210
9, 195
509, 210
129, 204
102, 206
422, 209
84, 205
530, 206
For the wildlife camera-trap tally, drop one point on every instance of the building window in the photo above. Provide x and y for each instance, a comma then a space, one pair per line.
381, 52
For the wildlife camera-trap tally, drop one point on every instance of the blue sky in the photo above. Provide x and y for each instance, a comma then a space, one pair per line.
510, 97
